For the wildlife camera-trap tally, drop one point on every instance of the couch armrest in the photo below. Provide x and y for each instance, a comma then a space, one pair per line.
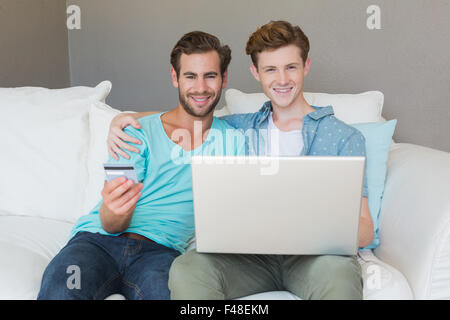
415, 219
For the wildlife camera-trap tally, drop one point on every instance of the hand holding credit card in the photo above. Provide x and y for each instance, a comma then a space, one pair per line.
114, 171
120, 194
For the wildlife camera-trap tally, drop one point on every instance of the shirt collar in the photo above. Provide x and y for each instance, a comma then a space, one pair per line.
315, 115
320, 112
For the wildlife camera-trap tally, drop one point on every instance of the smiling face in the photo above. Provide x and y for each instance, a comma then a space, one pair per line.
281, 72
199, 83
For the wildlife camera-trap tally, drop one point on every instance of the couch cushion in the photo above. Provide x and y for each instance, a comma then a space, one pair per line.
20, 272
27, 245
350, 108
271, 295
45, 141
42, 236
100, 116
382, 281
378, 136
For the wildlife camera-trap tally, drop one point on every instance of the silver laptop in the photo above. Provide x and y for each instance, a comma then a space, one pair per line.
277, 205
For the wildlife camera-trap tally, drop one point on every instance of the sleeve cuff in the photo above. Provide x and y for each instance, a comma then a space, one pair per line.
365, 192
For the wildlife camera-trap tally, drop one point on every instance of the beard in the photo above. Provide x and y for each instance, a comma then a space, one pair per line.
190, 110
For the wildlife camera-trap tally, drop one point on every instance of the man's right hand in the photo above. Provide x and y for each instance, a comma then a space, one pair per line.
119, 202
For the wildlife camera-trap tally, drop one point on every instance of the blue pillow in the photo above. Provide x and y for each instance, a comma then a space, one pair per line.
378, 137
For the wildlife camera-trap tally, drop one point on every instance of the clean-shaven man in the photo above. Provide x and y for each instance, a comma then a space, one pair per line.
128, 242
279, 54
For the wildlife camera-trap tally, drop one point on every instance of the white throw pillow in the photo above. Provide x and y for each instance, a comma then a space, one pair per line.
35, 95
350, 108
45, 139
100, 116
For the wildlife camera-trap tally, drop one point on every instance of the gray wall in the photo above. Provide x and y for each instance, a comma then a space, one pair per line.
33, 44
128, 42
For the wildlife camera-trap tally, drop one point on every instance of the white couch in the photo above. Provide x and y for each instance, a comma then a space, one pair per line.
52, 147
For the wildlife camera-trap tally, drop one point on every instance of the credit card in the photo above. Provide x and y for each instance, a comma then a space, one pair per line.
114, 171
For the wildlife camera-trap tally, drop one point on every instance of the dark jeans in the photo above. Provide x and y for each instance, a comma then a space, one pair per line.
94, 266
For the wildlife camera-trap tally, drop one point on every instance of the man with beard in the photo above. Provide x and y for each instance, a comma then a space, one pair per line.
127, 243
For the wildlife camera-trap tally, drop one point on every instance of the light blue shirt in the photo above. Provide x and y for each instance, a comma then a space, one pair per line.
164, 212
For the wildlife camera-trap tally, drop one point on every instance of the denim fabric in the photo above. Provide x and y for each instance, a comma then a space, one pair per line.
323, 134
94, 266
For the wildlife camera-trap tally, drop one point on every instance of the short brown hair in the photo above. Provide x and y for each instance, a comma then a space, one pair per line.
274, 35
199, 42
